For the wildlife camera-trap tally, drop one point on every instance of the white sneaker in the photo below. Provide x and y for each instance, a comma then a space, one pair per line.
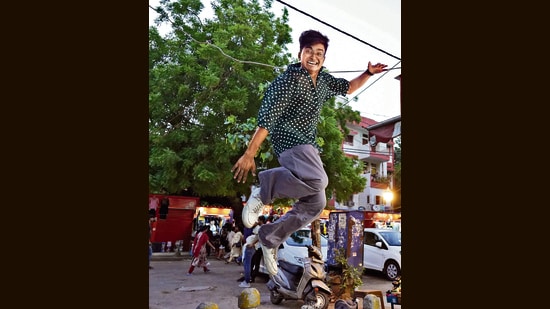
253, 208
244, 284
270, 259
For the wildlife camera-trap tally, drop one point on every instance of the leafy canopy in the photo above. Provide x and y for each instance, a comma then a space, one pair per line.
206, 80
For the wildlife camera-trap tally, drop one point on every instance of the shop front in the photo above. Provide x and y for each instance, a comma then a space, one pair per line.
374, 219
174, 221
215, 216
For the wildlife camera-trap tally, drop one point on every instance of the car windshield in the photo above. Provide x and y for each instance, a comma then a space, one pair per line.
393, 238
302, 238
299, 238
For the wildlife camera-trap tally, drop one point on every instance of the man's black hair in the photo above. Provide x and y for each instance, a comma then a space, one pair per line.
310, 37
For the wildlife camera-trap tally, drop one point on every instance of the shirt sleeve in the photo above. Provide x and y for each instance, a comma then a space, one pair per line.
336, 86
277, 97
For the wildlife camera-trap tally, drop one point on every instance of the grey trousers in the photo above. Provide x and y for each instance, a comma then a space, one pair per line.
301, 176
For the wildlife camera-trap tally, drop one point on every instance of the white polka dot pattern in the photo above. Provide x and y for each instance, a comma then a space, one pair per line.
291, 106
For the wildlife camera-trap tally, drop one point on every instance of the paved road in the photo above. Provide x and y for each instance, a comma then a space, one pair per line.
170, 288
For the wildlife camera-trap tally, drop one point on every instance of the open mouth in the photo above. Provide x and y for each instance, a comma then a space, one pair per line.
312, 63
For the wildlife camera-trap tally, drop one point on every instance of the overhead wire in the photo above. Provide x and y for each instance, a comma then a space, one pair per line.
377, 79
356, 38
354, 71
339, 30
283, 67
217, 47
272, 66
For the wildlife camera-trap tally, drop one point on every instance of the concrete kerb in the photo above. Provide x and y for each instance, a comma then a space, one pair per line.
170, 256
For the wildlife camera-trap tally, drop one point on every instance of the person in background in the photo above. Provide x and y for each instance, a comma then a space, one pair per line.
153, 205
247, 231
230, 234
164, 205
199, 250
212, 240
236, 246
151, 220
249, 250
290, 112
257, 256
223, 244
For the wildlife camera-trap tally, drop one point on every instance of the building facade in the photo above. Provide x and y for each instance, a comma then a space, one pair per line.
372, 143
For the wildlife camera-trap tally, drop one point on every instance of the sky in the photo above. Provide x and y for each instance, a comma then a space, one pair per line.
366, 30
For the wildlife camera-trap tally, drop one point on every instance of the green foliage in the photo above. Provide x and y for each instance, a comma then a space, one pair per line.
197, 82
351, 277
344, 173
206, 80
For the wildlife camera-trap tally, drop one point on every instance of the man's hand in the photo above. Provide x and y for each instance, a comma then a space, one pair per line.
242, 167
377, 68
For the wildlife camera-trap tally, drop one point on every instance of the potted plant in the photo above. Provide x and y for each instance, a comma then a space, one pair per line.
346, 278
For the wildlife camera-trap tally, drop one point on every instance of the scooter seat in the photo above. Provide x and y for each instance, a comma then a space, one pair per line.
292, 268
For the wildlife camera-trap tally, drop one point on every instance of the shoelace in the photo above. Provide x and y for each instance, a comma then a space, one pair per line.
259, 206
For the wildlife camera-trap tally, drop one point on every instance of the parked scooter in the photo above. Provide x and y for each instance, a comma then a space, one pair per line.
294, 282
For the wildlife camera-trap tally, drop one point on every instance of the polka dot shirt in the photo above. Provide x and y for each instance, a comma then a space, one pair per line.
291, 107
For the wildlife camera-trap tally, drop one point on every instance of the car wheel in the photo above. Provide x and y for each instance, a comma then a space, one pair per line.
391, 270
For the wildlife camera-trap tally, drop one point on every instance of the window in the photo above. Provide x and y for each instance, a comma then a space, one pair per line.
393, 238
300, 238
350, 202
370, 238
365, 138
349, 140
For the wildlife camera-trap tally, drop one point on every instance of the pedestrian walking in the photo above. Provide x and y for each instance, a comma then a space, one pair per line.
199, 251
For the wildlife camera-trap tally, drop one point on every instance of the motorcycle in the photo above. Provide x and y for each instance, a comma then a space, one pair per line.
294, 282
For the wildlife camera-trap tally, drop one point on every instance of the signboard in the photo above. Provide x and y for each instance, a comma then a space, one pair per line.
345, 231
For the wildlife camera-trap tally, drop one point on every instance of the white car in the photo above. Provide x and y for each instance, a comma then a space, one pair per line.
382, 251
294, 250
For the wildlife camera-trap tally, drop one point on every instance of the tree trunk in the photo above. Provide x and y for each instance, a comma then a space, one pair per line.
316, 233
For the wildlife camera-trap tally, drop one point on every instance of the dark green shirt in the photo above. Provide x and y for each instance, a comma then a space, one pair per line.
291, 106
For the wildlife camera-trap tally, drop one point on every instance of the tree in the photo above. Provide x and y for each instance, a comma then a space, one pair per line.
196, 82
206, 79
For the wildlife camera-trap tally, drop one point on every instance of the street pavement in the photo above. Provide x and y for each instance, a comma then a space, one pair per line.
170, 288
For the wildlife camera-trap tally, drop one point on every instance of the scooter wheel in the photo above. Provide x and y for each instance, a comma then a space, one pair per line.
275, 297
322, 299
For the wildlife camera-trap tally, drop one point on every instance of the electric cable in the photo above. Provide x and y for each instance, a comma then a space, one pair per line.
284, 67
339, 30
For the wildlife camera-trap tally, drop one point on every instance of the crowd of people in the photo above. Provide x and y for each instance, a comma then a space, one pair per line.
233, 244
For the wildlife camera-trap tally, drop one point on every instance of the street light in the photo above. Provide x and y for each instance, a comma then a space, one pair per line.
388, 196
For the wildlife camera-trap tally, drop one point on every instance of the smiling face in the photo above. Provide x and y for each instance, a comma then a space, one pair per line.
312, 58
